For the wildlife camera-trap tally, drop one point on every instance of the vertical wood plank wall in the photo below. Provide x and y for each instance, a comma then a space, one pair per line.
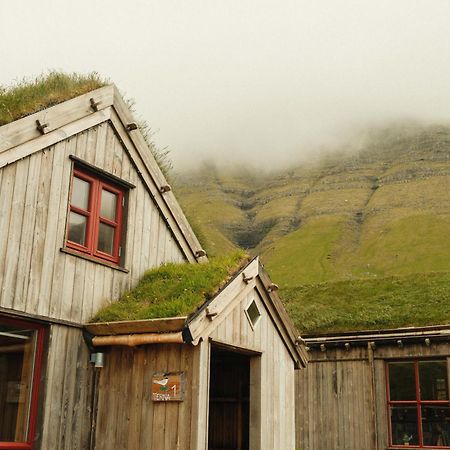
38, 279
67, 388
35, 276
334, 401
277, 371
129, 420
127, 416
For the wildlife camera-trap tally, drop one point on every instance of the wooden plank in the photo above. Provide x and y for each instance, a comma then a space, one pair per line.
59, 262
50, 240
137, 236
136, 326
159, 408
171, 418
53, 401
136, 398
123, 392
189, 247
200, 395
185, 407
52, 138
40, 231
27, 241
24, 130
147, 409
13, 235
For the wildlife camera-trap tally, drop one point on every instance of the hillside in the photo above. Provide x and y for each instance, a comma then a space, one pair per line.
375, 209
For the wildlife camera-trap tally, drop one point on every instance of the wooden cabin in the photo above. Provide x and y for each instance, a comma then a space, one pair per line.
375, 390
85, 212
220, 378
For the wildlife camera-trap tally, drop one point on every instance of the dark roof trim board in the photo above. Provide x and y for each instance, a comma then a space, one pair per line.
199, 325
22, 138
398, 336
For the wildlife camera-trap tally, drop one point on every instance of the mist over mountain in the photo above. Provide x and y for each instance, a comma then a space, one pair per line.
374, 207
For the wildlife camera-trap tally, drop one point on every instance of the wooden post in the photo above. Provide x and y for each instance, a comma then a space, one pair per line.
372, 394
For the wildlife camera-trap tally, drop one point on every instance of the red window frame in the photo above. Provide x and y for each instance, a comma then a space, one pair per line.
94, 218
35, 384
418, 402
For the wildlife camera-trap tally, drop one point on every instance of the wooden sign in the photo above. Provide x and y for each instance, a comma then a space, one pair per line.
168, 387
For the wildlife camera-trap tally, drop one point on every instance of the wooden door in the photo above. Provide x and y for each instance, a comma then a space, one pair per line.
229, 412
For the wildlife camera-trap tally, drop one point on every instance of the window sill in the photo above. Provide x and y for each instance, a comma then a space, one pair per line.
69, 251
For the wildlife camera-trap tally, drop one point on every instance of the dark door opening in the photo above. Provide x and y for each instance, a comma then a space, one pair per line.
229, 405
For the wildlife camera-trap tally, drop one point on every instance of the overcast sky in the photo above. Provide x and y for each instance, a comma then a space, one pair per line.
260, 79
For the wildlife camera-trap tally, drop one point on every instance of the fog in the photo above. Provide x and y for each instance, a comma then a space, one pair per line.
261, 82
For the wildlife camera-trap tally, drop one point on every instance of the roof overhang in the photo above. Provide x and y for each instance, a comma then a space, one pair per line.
397, 336
198, 326
23, 137
253, 276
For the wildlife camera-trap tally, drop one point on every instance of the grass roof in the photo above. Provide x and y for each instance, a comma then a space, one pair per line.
369, 304
29, 96
32, 95
173, 290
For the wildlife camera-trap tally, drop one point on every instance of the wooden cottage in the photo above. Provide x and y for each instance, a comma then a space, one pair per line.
220, 378
375, 390
85, 211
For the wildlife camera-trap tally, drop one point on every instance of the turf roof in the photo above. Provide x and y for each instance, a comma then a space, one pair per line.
30, 96
369, 304
173, 290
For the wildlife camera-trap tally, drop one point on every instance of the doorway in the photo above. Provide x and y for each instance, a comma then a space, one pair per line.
229, 400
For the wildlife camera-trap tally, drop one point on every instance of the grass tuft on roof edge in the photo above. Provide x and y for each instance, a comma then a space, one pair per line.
173, 290
29, 96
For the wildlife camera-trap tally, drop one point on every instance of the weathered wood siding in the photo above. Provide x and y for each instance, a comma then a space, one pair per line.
336, 407
127, 418
66, 392
35, 276
275, 400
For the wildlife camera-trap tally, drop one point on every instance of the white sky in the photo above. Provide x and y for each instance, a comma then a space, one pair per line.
261, 79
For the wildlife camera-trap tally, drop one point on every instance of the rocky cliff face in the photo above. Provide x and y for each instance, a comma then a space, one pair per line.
376, 207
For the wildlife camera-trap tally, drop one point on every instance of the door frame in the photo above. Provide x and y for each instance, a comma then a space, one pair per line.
255, 413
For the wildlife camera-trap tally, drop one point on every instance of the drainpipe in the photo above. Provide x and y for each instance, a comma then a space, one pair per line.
131, 340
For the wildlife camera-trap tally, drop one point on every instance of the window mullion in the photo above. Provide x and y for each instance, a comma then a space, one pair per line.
419, 405
95, 213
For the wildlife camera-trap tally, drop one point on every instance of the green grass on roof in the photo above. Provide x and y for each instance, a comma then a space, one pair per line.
29, 96
173, 290
368, 304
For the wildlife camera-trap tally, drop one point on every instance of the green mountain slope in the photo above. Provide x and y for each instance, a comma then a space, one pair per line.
371, 210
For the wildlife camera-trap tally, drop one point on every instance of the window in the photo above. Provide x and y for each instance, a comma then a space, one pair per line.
418, 402
253, 314
21, 346
95, 225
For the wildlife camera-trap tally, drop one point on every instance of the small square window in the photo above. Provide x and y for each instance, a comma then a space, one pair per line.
95, 220
253, 314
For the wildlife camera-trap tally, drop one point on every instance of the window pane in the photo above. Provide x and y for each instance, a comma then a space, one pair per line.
436, 425
402, 384
108, 206
80, 193
77, 228
16, 374
404, 425
106, 238
433, 380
